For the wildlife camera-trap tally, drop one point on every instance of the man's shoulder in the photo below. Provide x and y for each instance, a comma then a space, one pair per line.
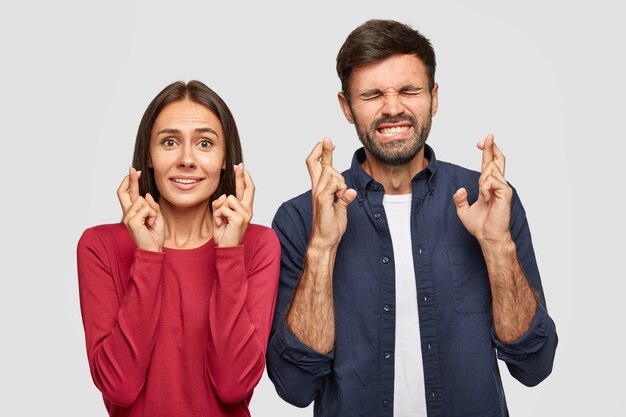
298, 204
293, 216
456, 171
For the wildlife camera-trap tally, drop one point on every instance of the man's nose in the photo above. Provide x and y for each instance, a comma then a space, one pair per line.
393, 105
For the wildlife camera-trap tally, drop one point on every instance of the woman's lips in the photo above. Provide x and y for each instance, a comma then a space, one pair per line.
185, 183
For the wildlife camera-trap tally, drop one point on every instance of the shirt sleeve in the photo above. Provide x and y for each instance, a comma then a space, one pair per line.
240, 313
120, 323
529, 358
297, 371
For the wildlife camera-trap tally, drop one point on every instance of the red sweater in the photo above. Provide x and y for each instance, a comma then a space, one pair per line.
178, 333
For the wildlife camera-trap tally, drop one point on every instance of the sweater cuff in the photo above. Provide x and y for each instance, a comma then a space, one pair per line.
148, 255
228, 251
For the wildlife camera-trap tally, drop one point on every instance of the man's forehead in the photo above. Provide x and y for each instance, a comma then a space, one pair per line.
395, 71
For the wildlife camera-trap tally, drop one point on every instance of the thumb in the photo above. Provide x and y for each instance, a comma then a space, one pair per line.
348, 197
460, 200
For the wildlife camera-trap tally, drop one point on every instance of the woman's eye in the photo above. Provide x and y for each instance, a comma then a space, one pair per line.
168, 142
205, 143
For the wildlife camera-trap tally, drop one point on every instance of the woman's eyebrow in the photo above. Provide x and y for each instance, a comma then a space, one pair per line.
170, 131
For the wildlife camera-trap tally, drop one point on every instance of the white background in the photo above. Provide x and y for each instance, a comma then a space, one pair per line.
547, 78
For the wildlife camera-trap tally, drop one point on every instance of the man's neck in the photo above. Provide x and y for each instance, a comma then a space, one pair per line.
395, 179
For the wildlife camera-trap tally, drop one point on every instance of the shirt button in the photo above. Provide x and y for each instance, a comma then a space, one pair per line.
386, 307
377, 216
387, 355
385, 260
386, 404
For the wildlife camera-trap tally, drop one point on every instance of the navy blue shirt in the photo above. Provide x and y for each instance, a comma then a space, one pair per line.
459, 347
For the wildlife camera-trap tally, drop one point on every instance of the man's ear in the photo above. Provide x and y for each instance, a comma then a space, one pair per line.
345, 107
434, 95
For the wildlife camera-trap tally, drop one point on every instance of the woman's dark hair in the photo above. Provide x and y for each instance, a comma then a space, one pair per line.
199, 93
376, 40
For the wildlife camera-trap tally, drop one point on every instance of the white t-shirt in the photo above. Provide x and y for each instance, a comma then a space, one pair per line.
409, 399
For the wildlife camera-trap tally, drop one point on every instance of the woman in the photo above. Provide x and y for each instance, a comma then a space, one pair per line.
177, 299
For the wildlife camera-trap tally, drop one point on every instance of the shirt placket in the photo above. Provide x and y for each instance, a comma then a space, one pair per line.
426, 300
376, 213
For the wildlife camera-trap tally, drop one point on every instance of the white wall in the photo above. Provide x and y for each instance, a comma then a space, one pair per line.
546, 77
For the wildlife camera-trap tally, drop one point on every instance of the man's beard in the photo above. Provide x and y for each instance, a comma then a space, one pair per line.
395, 152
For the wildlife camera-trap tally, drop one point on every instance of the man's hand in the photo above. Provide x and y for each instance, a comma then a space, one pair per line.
311, 315
488, 218
331, 197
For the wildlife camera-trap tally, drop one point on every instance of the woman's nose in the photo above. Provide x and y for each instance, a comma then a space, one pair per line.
187, 158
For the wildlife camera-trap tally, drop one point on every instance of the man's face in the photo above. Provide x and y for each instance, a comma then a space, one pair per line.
391, 108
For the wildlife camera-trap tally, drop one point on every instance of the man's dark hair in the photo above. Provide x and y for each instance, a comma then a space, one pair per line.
199, 93
376, 40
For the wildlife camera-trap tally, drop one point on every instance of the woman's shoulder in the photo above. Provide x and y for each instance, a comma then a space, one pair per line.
257, 231
259, 236
107, 235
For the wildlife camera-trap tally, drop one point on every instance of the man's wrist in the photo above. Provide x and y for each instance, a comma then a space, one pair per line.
319, 254
499, 249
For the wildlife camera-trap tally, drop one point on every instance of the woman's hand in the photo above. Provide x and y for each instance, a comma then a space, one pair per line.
142, 216
232, 214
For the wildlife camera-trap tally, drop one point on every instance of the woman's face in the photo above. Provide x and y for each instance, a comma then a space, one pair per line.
187, 153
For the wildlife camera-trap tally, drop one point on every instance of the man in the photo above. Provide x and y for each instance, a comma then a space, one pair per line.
404, 278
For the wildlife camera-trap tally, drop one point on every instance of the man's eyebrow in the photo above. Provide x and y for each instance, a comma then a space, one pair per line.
411, 88
371, 92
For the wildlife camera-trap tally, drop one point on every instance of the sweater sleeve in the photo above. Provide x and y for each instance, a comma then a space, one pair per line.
120, 323
240, 314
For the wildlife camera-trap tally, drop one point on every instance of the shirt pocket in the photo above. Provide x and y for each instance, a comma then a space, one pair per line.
470, 282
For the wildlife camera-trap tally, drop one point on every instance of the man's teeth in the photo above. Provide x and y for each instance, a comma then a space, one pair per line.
391, 131
185, 181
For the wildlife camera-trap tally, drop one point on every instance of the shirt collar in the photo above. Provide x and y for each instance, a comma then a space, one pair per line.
363, 181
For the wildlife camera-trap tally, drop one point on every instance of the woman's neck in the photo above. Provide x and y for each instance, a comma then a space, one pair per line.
187, 228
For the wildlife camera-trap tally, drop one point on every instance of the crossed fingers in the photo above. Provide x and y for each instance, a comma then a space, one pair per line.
128, 191
492, 168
